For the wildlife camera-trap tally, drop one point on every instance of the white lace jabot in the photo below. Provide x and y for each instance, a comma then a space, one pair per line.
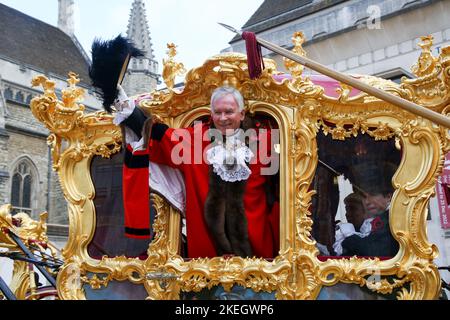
229, 159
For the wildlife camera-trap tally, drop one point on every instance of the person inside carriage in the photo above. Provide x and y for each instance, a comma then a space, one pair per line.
222, 183
367, 232
358, 221
364, 165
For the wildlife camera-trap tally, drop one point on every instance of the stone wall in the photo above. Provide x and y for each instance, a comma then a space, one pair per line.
4, 172
58, 204
20, 116
34, 149
27, 138
137, 83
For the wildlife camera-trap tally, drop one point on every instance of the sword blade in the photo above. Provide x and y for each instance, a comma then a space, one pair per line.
230, 28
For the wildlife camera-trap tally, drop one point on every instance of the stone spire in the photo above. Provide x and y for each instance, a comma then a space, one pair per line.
138, 30
142, 73
66, 16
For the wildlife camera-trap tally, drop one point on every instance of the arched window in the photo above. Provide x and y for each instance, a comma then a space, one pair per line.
19, 97
21, 189
8, 94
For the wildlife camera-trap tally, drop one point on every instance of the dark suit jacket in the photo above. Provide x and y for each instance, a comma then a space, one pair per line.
379, 242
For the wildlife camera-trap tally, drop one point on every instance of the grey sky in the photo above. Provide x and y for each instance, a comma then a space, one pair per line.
190, 24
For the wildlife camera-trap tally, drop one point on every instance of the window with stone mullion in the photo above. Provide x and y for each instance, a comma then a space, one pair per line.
21, 189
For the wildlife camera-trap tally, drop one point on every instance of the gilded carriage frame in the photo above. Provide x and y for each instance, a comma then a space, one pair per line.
301, 108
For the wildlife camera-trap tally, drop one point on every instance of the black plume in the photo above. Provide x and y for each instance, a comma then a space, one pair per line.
108, 59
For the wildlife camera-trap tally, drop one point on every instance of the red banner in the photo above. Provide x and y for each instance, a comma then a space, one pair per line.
443, 194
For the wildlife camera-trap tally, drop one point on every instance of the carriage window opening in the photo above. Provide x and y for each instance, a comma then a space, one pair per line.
353, 185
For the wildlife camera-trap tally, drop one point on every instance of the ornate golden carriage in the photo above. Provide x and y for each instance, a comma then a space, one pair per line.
302, 109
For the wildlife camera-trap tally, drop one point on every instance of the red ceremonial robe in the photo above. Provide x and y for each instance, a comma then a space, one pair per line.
165, 148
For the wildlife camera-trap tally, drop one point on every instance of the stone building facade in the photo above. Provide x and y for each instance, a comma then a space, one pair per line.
29, 48
376, 37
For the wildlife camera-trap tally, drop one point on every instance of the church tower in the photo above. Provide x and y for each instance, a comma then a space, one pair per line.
66, 16
142, 75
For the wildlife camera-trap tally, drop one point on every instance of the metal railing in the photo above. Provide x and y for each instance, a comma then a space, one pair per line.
47, 265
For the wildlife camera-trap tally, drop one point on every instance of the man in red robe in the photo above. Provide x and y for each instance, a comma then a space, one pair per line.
186, 150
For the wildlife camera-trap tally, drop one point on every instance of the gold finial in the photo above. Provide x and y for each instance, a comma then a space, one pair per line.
172, 52
73, 79
295, 68
72, 95
427, 42
426, 63
299, 39
171, 68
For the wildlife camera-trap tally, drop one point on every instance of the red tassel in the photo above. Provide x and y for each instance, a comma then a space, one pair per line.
254, 55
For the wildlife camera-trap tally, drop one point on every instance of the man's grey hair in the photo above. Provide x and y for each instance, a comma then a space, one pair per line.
224, 91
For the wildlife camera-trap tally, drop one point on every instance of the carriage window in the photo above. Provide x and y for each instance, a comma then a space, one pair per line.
109, 238
260, 193
256, 231
354, 189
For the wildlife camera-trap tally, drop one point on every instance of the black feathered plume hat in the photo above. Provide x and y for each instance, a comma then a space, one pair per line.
109, 63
